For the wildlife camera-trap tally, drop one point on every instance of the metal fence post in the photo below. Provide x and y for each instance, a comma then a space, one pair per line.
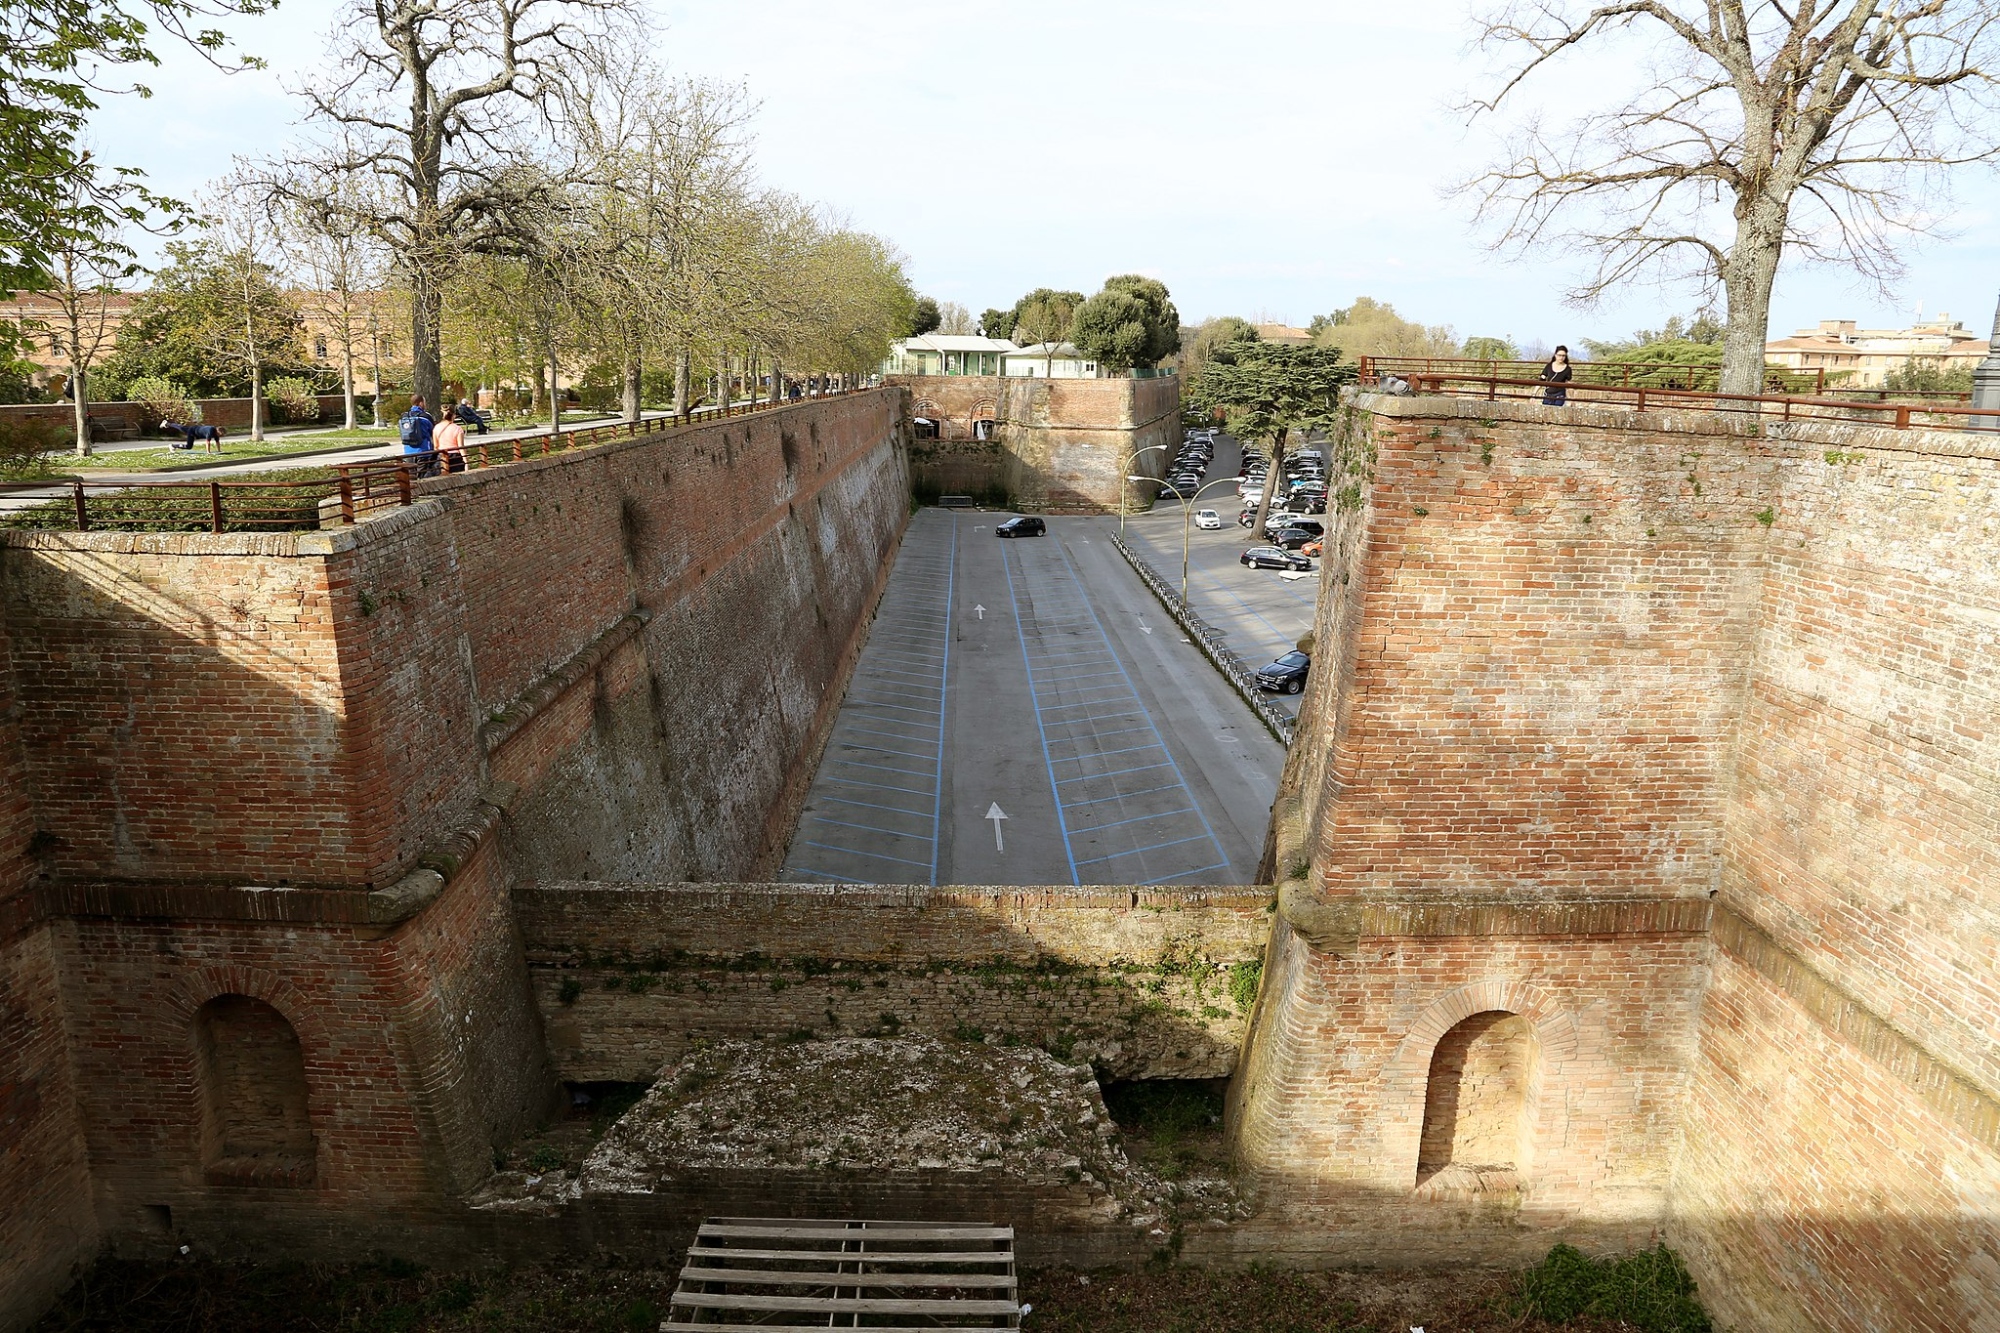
82, 509
403, 485
215, 506
346, 498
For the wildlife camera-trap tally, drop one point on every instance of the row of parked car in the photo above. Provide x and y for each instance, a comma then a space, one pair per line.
1190, 465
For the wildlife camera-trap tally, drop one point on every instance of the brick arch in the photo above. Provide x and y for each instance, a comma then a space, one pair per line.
1404, 1083
986, 409
197, 988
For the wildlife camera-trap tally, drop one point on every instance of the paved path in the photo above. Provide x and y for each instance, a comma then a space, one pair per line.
1260, 612
1035, 677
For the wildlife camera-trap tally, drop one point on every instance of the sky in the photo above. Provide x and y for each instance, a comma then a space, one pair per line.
1275, 160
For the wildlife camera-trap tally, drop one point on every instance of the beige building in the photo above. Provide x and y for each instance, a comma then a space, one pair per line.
1859, 358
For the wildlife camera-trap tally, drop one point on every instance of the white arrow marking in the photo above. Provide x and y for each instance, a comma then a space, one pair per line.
1145, 628
996, 814
981, 611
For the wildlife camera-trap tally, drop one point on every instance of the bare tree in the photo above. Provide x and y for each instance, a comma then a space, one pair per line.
1823, 127
441, 100
336, 266
88, 264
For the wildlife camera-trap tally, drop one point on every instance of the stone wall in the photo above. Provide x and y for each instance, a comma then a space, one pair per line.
308, 770
1060, 446
1144, 983
1670, 734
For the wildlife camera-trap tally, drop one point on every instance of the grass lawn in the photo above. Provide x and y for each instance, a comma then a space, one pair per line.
234, 449
194, 1296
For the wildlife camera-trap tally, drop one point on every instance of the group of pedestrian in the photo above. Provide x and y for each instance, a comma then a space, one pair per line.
437, 446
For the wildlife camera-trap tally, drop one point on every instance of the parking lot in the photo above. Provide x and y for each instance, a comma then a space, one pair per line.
1023, 713
1260, 612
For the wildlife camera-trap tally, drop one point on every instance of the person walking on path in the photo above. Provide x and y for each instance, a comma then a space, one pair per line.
448, 438
1556, 374
415, 427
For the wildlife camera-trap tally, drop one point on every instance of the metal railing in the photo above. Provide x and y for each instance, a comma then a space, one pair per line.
351, 490
1234, 669
1776, 407
1646, 374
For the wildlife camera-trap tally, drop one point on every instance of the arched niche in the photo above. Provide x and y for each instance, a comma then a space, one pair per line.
256, 1116
1479, 1105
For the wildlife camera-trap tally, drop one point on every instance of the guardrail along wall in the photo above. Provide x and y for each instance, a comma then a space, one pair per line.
1647, 788
1057, 445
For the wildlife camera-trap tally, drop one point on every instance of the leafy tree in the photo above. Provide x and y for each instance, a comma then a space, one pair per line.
997, 323
1131, 322
212, 319
1928, 376
1491, 349
17, 371
926, 317
1213, 339
1273, 391
1045, 318
1373, 328
55, 59
88, 263
1704, 328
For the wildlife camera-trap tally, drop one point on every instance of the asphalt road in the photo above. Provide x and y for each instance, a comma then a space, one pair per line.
1038, 680
1261, 612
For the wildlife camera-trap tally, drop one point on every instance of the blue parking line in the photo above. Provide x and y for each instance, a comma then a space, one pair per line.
865, 805
1153, 848
1120, 772
875, 786
1006, 563
1183, 874
944, 684
855, 851
1103, 754
1164, 814
1181, 777
869, 828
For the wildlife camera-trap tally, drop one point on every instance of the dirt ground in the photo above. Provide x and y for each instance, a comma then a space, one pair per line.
198, 1297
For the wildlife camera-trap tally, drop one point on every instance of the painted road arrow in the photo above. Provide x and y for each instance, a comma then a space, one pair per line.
981, 611
996, 814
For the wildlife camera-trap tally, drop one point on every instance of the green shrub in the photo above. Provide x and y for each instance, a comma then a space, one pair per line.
163, 399
290, 505
25, 446
1244, 979
292, 400
1650, 1290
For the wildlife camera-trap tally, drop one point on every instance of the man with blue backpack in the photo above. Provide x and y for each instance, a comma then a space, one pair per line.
414, 426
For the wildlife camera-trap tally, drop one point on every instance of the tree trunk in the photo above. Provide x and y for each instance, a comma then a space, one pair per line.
722, 383
426, 326
256, 402
1272, 480
1746, 281
347, 359
634, 385
683, 372
777, 381
555, 393
79, 392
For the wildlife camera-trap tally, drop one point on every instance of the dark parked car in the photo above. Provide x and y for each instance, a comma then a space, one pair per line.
1025, 526
1287, 675
1274, 557
1293, 538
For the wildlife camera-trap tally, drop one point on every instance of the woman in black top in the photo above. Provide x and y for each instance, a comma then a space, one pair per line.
1556, 374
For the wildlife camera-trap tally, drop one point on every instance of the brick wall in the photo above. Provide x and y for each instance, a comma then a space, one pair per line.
229, 413
1584, 678
1139, 982
1063, 446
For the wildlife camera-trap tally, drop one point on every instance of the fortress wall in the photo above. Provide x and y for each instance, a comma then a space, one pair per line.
1843, 1162
238, 749
1144, 983
1756, 683
1060, 446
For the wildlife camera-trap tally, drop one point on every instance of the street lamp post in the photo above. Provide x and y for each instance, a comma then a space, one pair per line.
1187, 518
1149, 449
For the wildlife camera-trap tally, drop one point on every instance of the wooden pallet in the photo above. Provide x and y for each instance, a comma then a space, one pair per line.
787, 1275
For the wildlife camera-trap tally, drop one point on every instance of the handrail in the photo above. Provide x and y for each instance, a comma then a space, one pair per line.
1786, 407
218, 506
1596, 372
